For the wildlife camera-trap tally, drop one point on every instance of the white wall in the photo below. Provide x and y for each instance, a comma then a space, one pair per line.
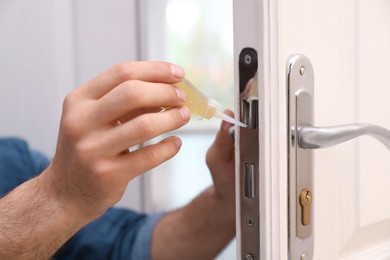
36, 68
105, 34
49, 47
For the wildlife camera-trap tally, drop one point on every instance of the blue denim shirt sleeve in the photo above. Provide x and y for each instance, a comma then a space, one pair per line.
142, 243
18, 164
118, 234
39, 161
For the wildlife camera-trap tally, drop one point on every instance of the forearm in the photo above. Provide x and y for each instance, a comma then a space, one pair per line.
33, 224
198, 231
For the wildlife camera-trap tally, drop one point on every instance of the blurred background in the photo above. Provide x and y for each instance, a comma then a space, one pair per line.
47, 48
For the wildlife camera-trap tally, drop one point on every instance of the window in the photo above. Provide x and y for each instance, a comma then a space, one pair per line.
198, 35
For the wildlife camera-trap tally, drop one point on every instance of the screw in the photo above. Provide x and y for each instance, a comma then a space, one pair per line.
248, 59
249, 257
303, 256
302, 71
250, 221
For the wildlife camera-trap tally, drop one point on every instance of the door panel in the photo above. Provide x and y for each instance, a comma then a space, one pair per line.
374, 97
348, 43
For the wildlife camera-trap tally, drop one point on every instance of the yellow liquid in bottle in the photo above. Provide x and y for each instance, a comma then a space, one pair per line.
196, 101
200, 105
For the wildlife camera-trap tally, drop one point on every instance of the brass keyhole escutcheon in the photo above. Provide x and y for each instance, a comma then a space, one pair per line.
305, 199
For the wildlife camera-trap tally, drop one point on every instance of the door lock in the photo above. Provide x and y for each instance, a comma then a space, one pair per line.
300, 78
248, 188
305, 199
303, 137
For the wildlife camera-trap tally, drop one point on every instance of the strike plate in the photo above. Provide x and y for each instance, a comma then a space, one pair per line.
300, 84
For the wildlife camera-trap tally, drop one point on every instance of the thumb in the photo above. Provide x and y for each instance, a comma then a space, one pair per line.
221, 149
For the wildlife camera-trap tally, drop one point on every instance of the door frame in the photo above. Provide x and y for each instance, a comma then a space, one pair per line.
256, 25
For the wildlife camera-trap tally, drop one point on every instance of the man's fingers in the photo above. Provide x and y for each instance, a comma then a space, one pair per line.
145, 71
222, 148
146, 158
134, 95
144, 128
223, 137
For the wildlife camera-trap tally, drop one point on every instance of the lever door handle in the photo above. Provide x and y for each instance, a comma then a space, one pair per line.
322, 137
302, 138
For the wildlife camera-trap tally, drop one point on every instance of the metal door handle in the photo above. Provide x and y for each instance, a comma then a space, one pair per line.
303, 137
322, 137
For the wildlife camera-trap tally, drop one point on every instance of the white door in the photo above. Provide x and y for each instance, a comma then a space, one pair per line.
348, 45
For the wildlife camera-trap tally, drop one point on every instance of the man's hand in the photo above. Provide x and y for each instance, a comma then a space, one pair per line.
220, 160
203, 228
101, 120
92, 165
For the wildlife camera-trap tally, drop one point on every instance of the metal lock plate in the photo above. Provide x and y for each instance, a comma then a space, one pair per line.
300, 81
248, 190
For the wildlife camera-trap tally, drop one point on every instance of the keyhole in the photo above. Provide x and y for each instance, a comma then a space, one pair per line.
305, 199
307, 196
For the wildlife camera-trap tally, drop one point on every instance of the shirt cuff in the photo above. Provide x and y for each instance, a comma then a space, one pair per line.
142, 244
